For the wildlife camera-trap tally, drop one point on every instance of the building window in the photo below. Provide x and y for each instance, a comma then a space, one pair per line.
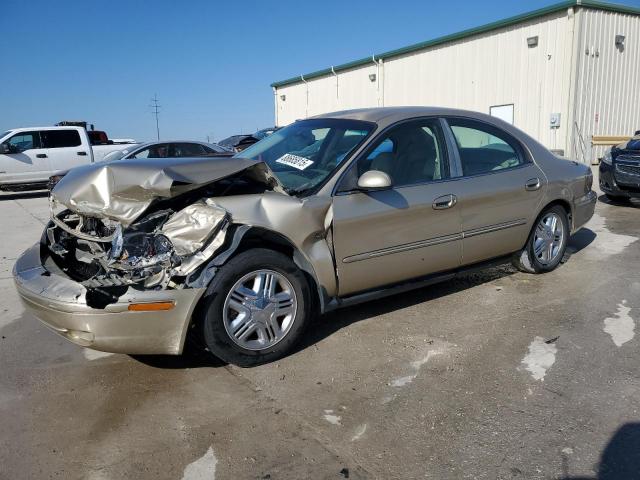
503, 112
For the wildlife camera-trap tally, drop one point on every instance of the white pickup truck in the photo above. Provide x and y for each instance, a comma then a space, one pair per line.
29, 156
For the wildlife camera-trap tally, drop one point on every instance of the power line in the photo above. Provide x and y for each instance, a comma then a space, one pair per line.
155, 106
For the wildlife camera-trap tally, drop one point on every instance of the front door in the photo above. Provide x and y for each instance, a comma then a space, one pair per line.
26, 161
408, 231
499, 193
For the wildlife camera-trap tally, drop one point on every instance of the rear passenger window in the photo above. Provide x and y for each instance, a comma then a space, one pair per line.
484, 148
60, 138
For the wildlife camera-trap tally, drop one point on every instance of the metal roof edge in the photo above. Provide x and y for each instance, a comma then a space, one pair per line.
612, 7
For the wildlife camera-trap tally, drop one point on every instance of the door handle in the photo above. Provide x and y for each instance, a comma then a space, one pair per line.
41, 155
445, 201
84, 154
532, 184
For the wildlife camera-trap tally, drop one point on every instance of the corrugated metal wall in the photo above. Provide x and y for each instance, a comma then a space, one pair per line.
495, 68
608, 78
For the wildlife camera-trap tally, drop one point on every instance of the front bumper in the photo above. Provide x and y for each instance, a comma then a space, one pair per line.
583, 209
619, 181
60, 303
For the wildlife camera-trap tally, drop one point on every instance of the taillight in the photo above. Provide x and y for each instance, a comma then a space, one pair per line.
588, 181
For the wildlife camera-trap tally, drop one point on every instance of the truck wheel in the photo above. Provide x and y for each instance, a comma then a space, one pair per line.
547, 242
256, 308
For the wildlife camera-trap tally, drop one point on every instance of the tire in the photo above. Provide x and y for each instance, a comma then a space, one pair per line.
266, 325
617, 199
544, 251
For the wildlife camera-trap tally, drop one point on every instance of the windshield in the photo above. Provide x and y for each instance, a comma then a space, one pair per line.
304, 154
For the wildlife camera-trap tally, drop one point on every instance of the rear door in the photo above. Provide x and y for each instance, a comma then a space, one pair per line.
408, 231
499, 192
27, 161
66, 149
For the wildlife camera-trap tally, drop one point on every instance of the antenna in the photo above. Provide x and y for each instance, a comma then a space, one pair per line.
155, 109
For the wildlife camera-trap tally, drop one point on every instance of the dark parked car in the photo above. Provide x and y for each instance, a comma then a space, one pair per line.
620, 170
238, 143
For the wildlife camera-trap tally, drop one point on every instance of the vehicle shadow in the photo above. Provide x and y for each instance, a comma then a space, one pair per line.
631, 203
326, 325
23, 195
620, 459
579, 241
193, 356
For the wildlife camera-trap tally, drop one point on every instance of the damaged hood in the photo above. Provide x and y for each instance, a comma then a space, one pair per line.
123, 190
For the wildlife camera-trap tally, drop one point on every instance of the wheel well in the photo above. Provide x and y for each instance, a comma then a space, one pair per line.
258, 237
254, 238
263, 238
567, 208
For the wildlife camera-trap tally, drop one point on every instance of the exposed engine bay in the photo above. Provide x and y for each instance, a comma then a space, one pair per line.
149, 253
99, 244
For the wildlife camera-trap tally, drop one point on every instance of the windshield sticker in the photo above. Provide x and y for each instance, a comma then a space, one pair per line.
294, 161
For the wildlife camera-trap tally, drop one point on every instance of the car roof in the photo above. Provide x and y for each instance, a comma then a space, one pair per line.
161, 142
392, 114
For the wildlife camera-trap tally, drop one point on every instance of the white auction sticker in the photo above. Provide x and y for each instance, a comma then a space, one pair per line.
294, 161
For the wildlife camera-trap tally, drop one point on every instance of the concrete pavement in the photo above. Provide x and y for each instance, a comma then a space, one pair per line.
496, 375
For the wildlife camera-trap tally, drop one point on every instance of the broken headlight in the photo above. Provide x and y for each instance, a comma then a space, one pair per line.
141, 250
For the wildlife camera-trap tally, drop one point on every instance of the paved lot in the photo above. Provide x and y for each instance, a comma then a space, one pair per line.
497, 375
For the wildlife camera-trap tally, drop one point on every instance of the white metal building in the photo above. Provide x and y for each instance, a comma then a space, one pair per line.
568, 74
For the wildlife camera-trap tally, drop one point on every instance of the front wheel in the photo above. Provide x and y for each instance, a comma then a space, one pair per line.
547, 242
256, 308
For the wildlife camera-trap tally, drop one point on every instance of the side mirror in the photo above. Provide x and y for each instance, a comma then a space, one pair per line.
637, 133
374, 180
5, 148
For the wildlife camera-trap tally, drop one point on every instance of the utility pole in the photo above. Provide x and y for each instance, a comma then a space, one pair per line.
155, 109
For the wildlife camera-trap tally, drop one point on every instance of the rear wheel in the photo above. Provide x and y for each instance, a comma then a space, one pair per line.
547, 242
256, 308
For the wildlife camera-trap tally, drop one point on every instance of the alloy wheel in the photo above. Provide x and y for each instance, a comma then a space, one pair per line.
259, 310
548, 238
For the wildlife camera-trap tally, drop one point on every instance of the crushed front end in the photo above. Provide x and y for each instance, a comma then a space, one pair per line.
156, 252
124, 260
122, 289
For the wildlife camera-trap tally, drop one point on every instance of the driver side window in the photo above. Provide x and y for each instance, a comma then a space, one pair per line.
411, 153
24, 141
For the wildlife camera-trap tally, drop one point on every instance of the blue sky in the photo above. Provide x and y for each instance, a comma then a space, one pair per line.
210, 62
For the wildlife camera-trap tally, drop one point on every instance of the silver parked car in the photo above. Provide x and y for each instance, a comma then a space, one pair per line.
327, 212
164, 149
